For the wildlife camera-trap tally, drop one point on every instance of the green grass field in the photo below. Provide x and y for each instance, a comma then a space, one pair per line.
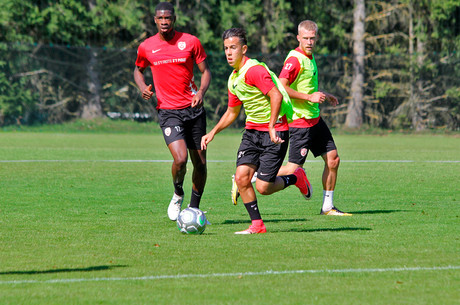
83, 221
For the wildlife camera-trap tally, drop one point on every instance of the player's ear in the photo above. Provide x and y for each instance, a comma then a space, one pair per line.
244, 49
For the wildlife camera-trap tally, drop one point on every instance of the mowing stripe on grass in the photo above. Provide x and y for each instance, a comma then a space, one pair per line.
236, 274
224, 161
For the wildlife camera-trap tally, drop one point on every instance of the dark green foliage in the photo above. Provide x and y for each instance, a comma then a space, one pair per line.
46, 54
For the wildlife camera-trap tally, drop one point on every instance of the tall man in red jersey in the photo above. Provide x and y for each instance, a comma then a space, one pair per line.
265, 140
308, 131
171, 56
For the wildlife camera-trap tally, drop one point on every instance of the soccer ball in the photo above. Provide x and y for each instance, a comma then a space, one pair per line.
191, 221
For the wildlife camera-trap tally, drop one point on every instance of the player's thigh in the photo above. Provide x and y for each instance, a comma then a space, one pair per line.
198, 157
178, 150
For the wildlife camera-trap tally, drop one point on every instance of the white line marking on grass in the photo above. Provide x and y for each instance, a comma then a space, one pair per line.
235, 274
225, 161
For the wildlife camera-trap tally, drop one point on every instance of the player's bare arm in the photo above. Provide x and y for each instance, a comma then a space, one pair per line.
316, 97
139, 78
332, 99
226, 120
197, 100
275, 106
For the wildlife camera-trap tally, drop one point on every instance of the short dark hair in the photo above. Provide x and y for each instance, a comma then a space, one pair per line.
164, 6
236, 32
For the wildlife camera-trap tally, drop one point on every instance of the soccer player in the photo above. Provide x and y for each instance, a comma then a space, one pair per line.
308, 131
265, 140
171, 56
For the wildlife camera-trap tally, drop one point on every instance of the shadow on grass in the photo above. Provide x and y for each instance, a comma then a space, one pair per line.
88, 269
323, 230
237, 221
378, 212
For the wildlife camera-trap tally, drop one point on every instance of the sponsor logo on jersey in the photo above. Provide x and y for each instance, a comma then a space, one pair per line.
181, 45
170, 61
154, 51
303, 152
167, 131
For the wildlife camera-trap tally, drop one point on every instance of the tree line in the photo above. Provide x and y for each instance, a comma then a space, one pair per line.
393, 64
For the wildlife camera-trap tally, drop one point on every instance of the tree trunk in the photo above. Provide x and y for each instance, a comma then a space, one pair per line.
417, 119
417, 60
411, 49
264, 31
355, 107
92, 108
414, 90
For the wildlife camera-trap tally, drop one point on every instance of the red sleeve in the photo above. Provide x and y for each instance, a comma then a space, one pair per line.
198, 51
259, 77
233, 100
290, 69
141, 60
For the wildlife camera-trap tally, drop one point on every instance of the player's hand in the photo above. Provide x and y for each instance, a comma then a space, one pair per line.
205, 140
197, 100
317, 97
147, 93
274, 136
332, 100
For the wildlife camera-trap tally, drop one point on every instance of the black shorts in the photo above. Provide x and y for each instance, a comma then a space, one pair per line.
317, 139
257, 149
187, 124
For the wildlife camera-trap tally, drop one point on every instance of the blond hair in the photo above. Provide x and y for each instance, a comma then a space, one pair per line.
308, 25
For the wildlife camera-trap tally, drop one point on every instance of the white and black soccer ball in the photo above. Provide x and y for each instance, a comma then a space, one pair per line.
191, 221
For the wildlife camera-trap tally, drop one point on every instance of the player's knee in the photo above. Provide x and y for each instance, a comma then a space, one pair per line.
200, 167
180, 162
242, 180
333, 163
263, 190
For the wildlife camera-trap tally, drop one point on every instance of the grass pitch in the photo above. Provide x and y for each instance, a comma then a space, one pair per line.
83, 221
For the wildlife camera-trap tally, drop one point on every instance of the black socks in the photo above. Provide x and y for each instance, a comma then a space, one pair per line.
195, 199
253, 210
178, 189
289, 180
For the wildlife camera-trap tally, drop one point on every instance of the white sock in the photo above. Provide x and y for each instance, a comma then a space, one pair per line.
328, 198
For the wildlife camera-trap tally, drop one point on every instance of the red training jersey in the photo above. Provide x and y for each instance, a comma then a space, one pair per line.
172, 63
290, 71
259, 77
